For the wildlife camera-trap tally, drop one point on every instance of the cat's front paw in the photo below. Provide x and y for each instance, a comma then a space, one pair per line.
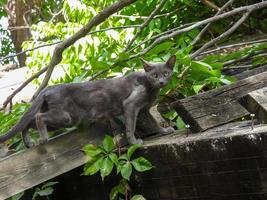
135, 141
29, 144
42, 140
167, 130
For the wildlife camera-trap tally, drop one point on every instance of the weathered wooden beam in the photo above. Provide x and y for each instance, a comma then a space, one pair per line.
251, 72
218, 106
31, 167
256, 102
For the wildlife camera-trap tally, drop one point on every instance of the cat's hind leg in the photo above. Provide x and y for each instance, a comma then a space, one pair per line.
28, 143
55, 118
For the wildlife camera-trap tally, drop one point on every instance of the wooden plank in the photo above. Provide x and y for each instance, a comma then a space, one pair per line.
31, 167
256, 102
251, 72
218, 106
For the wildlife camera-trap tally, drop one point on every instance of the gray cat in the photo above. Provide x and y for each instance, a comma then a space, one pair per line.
65, 105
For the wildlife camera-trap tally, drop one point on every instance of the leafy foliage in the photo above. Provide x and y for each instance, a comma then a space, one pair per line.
103, 159
44, 191
10, 119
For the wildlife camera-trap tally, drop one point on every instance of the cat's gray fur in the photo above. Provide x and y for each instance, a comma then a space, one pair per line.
65, 105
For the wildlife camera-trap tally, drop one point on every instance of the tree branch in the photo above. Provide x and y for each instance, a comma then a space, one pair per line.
146, 17
225, 34
202, 32
252, 7
24, 84
146, 22
233, 46
212, 42
160, 34
99, 18
244, 58
210, 4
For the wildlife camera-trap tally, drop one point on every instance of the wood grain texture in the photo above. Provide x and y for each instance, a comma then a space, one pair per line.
256, 102
251, 72
31, 167
218, 106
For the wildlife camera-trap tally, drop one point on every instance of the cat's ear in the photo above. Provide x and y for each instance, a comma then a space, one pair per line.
171, 62
147, 66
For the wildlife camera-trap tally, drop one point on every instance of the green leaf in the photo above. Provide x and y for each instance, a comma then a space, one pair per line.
16, 196
126, 170
114, 158
123, 56
51, 183
197, 88
108, 144
123, 157
106, 167
119, 189
91, 150
141, 164
138, 197
180, 123
203, 64
113, 193
99, 65
45, 192
132, 149
161, 47
94, 167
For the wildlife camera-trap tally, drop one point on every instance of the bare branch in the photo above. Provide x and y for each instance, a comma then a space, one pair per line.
160, 34
225, 34
146, 22
234, 45
23, 52
51, 44
210, 4
252, 7
146, 17
129, 17
10, 97
202, 32
243, 58
212, 42
12, 28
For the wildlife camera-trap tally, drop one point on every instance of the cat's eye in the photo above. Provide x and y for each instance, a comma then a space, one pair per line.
154, 75
166, 74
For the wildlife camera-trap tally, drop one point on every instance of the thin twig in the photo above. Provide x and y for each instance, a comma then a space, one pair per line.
51, 44
225, 34
212, 42
146, 22
211, 4
12, 28
146, 17
160, 34
252, 7
234, 45
10, 97
202, 32
250, 55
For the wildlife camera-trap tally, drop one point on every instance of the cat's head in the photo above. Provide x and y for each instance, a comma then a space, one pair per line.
159, 74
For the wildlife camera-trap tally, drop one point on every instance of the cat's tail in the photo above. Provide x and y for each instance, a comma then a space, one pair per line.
25, 120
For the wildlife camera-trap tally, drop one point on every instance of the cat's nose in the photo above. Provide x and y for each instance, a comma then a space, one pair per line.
161, 83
